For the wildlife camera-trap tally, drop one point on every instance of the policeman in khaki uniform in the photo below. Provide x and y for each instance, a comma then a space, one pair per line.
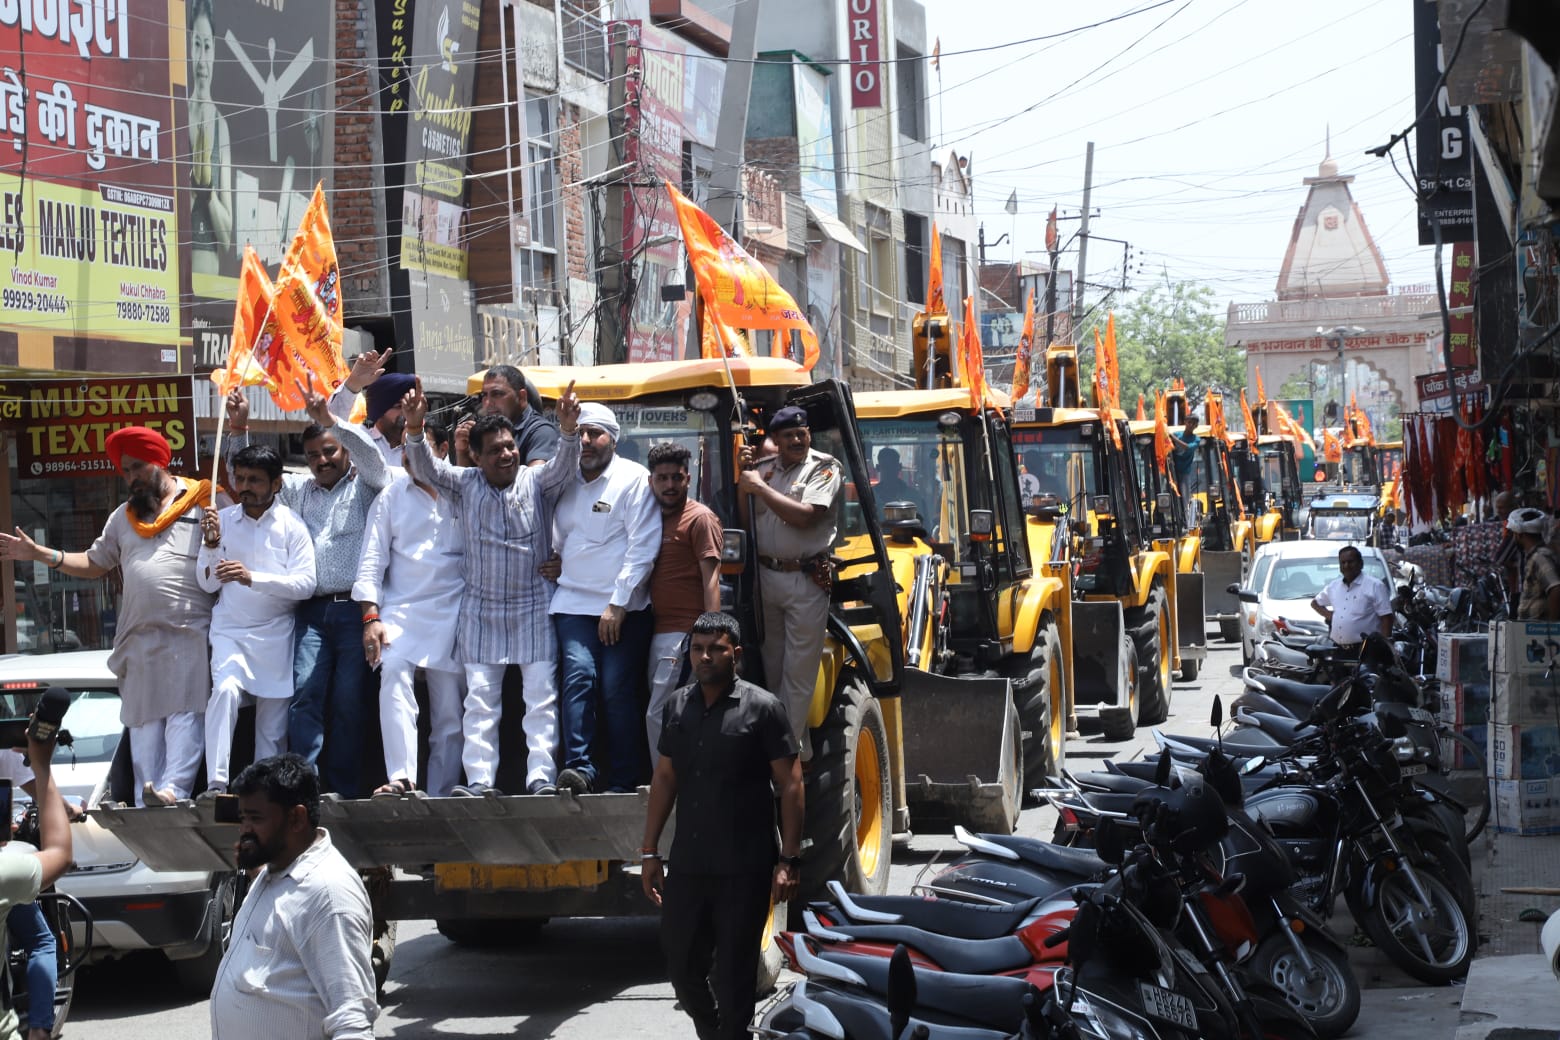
794, 501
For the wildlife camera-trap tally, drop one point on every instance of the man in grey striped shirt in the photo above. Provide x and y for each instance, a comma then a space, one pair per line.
506, 508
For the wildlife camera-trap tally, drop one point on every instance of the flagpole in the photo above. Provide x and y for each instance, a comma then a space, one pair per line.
216, 451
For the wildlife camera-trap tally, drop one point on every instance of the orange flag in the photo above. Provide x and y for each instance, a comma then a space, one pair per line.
972, 358
1261, 393
1332, 451
1250, 420
1163, 445
717, 339
1214, 412
255, 331
736, 289
308, 303
935, 302
1140, 415
1026, 344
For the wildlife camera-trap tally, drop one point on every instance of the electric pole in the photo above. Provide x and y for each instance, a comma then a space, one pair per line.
1083, 243
731, 129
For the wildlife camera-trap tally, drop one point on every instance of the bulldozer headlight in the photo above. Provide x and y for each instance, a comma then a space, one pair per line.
982, 523
1102, 505
1164, 501
733, 547
703, 400
899, 512
1249, 487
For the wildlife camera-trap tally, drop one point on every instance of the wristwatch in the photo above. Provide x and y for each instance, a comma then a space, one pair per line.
794, 862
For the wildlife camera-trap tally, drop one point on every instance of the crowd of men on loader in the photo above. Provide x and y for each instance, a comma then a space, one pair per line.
506, 543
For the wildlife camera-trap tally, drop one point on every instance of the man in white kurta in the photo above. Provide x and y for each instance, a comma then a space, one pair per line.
409, 585
260, 556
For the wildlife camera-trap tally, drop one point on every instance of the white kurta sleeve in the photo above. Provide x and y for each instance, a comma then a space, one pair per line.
369, 586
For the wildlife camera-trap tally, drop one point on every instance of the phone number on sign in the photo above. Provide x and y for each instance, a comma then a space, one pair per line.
26, 300
156, 313
71, 466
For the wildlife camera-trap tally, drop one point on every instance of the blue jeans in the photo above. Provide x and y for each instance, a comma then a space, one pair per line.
614, 674
330, 678
28, 931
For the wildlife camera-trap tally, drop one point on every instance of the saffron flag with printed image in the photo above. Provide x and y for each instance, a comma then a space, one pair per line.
1026, 346
308, 305
736, 289
255, 331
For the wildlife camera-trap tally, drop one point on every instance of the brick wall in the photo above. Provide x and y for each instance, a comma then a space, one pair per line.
357, 201
778, 157
576, 209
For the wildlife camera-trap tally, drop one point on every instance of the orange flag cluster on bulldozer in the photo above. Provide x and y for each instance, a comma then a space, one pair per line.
1026, 346
290, 332
736, 291
936, 303
972, 357
1164, 446
1249, 419
1107, 378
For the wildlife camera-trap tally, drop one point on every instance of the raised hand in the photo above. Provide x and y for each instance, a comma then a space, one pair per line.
314, 402
211, 529
367, 367
414, 406
568, 410
237, 408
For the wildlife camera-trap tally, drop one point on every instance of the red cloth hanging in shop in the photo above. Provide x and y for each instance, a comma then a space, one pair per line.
1478, 483
1457, 480
1421, 480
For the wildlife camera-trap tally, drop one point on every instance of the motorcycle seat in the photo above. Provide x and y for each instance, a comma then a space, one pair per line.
1286, 656
1293, 692
1242, 742
1282, 728
943, 916
966, 956
1111, 783
988, 1000
1138, 770
1064, 859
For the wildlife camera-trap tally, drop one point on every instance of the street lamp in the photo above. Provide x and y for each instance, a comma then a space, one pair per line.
1337, 335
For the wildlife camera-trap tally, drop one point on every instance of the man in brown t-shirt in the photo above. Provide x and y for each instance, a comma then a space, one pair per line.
686, 579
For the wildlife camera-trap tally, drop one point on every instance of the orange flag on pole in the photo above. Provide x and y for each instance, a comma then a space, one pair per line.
1026, 344
1140, 415
1261, 393
1164, 447
308, 304
935, 301
1250, 420
255, 331
736, 289
972, 358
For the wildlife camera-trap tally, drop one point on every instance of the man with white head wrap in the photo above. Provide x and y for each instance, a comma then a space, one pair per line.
606, 531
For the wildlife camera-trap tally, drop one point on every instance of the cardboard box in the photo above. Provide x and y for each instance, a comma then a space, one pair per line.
1525, 648
1455, 756
1525, 806
1463, 658
1525, 700
1464, 705
1524, 752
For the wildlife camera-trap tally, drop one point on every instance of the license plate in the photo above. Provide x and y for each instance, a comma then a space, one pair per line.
1167, 1005
487, 877
1421, 715
1417, 769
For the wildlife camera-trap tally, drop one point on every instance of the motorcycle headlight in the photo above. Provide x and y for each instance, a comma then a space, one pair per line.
1265, 628
1104, 1021
1403, 749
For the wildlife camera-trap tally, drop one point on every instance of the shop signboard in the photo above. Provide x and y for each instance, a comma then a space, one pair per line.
88, 220
254, 138
60, 425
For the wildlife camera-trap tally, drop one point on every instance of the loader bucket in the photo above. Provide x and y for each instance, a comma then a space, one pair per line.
1191, 617
1099, 668
1221, 570
381, 832
961, 750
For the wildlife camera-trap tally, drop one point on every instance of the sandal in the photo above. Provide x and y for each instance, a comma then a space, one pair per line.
399, 788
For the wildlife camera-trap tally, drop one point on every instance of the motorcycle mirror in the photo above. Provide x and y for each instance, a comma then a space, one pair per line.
1162, 773
901, 990
1082, 933
1254, 764
1216, 716
1107, 842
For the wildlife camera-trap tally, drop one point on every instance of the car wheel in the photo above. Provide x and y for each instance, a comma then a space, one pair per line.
196, 975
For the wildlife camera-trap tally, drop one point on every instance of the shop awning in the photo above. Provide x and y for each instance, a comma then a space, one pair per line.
833, 228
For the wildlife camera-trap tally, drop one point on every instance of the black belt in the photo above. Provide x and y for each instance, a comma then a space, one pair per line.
333, 597
786, 566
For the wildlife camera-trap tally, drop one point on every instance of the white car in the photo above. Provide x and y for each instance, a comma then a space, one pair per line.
185, 914
1284, 578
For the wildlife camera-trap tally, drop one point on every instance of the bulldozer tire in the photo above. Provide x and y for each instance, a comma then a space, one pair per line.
849, 815
1229, 630
1189, 669
1150, 628
1120, 722
1042, 710
490, 933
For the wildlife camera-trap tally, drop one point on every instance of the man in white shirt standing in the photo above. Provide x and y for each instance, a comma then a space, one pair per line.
260, 557
300, 960
409, 586
1354, 603
608, 531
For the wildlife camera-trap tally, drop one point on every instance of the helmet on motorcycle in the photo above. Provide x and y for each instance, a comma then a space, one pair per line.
1189, 819
1526, 521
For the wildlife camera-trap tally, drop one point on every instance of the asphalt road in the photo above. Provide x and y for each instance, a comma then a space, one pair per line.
579, 979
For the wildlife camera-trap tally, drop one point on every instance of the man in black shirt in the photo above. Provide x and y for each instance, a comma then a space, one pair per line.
506, 392
723, 743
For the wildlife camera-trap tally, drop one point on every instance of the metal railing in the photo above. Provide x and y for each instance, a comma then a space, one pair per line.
1351, 308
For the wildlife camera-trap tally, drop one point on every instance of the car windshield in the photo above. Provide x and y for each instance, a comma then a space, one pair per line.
93, 722
1341, 527
650, 422
1303, 579
1056, 461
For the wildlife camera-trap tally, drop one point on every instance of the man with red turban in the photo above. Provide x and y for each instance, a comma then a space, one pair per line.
160, 654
